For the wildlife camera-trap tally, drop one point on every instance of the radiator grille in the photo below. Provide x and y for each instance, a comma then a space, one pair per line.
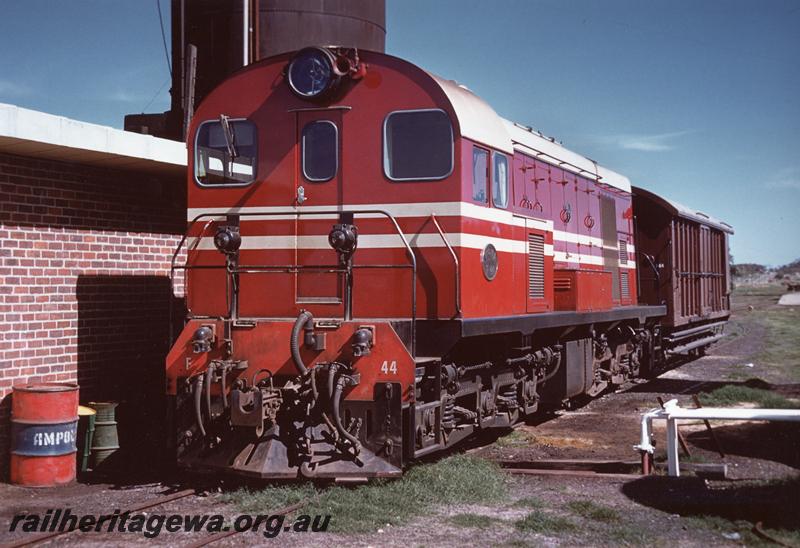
623, 252
623, 282
562, 284
535, 266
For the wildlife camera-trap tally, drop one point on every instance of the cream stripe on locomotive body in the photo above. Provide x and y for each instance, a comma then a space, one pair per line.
406, 210
378, 266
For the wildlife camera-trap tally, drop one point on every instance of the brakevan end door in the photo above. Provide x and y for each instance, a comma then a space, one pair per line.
318, 186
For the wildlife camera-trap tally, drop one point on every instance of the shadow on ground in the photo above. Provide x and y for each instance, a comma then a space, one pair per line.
773, 503
690, 386
772, 441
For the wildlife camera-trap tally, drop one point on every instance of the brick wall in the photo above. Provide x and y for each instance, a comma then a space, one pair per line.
84, 288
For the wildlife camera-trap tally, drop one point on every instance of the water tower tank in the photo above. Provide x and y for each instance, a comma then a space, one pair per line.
216, 28
289, 25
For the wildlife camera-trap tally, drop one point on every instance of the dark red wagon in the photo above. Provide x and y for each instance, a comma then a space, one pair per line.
683, 263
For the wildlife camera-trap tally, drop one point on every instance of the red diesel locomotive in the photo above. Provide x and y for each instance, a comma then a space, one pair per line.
377, 266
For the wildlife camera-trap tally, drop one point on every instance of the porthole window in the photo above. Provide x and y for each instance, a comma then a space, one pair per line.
480, 174
225, 160
320, 150
500, 180
417, 145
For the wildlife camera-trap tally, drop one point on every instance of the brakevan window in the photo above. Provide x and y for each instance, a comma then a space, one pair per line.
320, 150
500, 181
480, 174
417, 145
219, 162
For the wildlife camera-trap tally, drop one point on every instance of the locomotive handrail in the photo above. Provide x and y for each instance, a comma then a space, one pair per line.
409, 251
455, 261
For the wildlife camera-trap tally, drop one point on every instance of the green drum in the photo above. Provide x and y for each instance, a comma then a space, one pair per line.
106, 439
86, 418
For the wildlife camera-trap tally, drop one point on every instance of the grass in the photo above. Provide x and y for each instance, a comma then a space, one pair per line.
514, 438
630, 536
731, 394
527, 502
767, 290
744, 529
270, 498
780, 350
542, 522
476, 521
596, 512
737, 376
459, 479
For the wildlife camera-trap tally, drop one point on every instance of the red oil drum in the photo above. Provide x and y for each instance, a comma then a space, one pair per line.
44, 422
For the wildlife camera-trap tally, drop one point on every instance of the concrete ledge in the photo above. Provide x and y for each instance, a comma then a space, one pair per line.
36, 134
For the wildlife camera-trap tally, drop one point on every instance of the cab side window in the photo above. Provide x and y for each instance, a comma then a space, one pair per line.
225, 160
417, 145
480, 174
500, 180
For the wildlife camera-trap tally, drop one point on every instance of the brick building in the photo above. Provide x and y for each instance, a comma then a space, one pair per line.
89, 219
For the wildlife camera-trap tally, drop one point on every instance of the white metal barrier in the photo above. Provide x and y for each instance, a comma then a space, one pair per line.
672, 413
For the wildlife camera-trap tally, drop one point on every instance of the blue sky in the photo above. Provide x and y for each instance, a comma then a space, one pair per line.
697, 100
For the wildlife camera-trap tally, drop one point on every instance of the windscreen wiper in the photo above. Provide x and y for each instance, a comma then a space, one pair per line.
230, 136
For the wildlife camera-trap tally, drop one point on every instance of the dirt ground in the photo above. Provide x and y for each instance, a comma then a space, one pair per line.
763, 462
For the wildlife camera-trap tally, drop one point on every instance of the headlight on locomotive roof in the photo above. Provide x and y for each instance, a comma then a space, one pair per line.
311, 73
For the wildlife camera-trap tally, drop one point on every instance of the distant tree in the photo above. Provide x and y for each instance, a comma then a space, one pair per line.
744, 270
788, 270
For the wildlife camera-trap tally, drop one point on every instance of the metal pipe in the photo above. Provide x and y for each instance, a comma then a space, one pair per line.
348, 290
409, 251
198, 395
245, 32
678, 335
337, 418
723, 413
256, 54
207, 387
455, 261
223, 387
672, 412
294, 340
695, 344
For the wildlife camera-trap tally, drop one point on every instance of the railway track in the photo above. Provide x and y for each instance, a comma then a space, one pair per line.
33, 540
44, 537
216, 537
613, 469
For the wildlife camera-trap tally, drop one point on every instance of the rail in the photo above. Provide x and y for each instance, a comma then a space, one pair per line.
297, 268
455, 262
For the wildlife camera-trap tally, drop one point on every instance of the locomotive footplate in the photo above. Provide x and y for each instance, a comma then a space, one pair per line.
294, 447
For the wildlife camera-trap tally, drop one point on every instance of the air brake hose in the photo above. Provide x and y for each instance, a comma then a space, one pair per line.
555, 369
337, 398
198, 395
294, 341
207, 386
